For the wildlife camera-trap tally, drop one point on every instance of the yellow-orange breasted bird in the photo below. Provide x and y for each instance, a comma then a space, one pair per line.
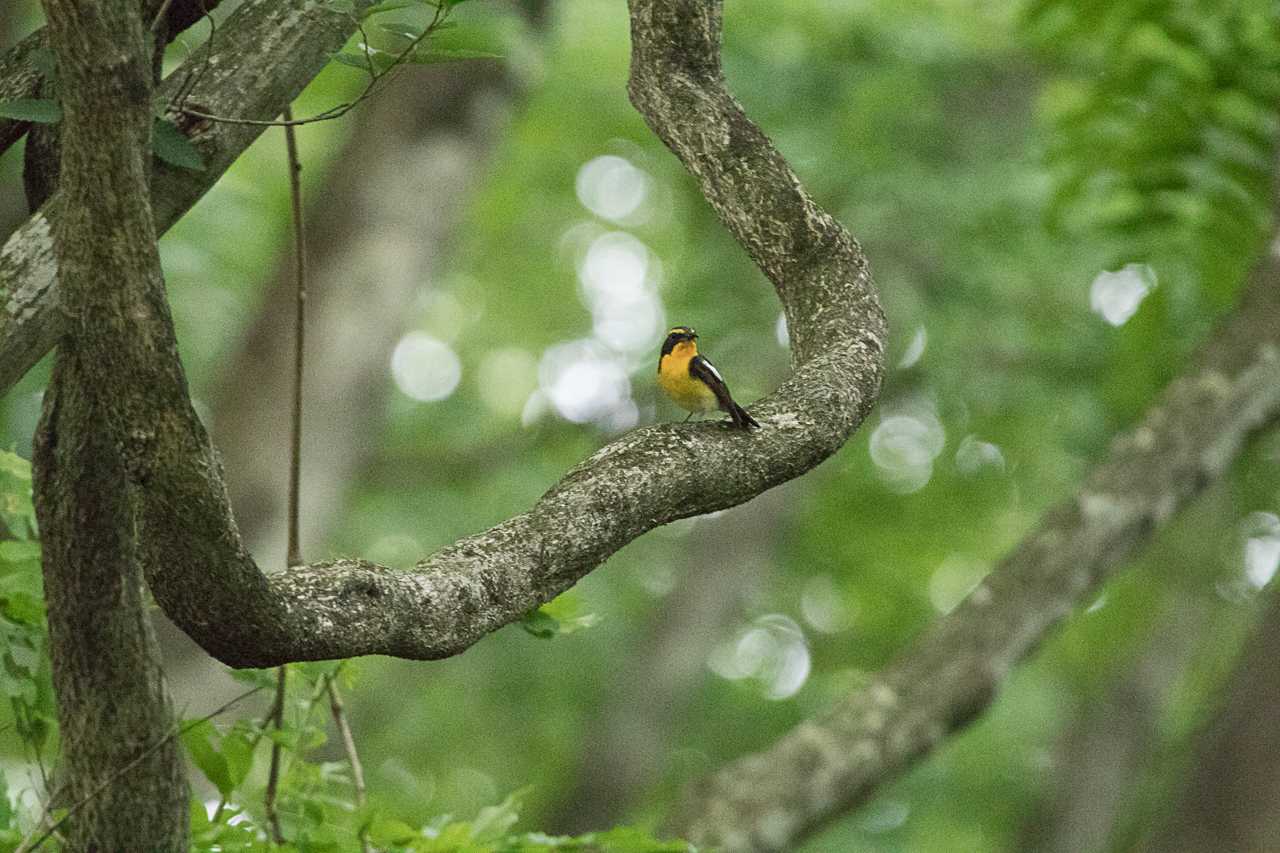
692, 382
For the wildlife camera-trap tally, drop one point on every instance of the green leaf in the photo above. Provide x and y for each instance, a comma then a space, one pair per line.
6, 811
199, 739
540, 624
199, 816
237, 751
17, 513
24, 609
380, 59
629, 839
172, 146
438, 55
12, 463
355, 60
403, 32
493, 822
43, 110
254, 677
25, 658
19, 551
386, 832
18, 686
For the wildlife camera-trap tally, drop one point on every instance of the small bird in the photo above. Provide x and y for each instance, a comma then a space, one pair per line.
691, 381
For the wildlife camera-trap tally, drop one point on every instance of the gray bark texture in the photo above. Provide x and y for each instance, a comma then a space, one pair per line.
950, 675
112, 705
264, 55
206, 582
1229, 802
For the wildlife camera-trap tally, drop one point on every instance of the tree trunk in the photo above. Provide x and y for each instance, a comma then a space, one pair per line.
122, 777
112, 705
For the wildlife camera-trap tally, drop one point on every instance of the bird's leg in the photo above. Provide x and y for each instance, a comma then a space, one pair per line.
686, 418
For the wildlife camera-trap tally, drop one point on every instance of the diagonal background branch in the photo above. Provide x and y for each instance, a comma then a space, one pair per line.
951, 674
263, 57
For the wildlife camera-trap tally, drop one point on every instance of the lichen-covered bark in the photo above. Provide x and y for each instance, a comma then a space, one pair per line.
1186, 440
112, 706
265, 53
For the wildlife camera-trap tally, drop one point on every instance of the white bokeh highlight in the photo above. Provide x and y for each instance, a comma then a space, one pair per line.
612, 187
425, 368
1115, 296
905, 444
772, 651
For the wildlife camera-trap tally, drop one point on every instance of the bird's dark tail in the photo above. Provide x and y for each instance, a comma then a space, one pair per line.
741, 417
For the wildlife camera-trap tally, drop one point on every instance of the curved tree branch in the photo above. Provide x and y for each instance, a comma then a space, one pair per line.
186, 539
263, 57
951, 674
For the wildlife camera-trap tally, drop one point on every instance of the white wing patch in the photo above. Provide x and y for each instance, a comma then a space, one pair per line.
709, 366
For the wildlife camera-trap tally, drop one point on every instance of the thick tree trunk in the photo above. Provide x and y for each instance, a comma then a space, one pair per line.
112, 707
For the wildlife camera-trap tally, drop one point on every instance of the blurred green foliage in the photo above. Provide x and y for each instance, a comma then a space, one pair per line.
992, 160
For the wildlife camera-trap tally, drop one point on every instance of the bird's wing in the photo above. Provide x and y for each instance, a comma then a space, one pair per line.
700, 368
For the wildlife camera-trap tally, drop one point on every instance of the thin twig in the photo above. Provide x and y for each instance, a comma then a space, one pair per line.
349, 744
164, 10
27, 845
441, 14
192, 78
275, 718
294, 549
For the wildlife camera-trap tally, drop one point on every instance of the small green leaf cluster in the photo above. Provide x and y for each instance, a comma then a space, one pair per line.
24, 666
490, 832
1164, 120
24, 648
562, 616
316, 803
172, 146
386, 45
